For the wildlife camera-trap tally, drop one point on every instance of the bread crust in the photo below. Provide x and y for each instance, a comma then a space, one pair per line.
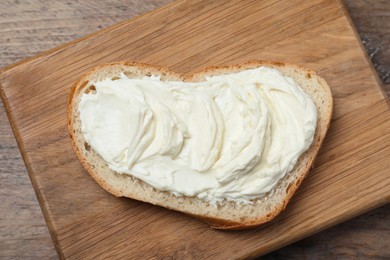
241, 222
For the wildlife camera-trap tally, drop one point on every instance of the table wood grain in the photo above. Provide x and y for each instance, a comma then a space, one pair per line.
29, 27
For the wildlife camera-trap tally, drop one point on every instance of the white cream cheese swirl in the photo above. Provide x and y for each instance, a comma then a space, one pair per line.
231, 137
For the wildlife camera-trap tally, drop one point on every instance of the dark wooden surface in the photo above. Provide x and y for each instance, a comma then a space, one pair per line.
30, 27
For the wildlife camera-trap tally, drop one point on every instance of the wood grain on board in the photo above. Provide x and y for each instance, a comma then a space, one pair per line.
76, 208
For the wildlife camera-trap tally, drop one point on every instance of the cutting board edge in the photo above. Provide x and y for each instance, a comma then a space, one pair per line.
34, 183
42, 54
327, 225
362, 48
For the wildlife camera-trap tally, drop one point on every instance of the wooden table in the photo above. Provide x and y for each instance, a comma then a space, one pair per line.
30, 27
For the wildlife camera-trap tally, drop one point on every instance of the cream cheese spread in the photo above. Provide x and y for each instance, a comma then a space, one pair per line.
231, 137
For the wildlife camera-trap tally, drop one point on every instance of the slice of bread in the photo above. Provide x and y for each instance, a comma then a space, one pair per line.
230, 215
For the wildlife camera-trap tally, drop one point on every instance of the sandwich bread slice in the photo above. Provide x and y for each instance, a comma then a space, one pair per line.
225, 214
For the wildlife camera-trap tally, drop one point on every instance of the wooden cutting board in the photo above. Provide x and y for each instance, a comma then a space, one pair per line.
351, 174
